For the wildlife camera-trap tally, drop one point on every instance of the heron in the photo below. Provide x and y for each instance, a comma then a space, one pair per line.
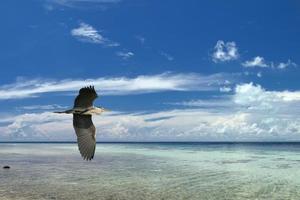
85, 130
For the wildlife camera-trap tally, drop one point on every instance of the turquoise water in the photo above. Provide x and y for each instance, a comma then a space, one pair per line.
151, 171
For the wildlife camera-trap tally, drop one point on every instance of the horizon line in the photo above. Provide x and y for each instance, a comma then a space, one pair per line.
99, 142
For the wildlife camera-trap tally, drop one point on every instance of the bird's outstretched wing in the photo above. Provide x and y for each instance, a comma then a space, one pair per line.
86, 135
86, 97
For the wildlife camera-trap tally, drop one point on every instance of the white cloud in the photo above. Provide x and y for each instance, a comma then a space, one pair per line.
259, 74
254, 97
211, 103
172, 125
81, 4
283, 65
259, 61
87, 33
167, 56
250, 114
225, 89
255, 62
31, 126
42, 107
141, 39
225, 51
125, 55
117, 85
112, 44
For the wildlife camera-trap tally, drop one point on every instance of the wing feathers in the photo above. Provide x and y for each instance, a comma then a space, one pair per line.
86, 97
83, 125
85, 131
86, 146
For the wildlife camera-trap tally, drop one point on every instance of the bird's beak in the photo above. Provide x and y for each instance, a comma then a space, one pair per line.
104, 109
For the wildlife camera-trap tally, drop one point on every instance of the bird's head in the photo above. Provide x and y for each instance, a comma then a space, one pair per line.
99, 110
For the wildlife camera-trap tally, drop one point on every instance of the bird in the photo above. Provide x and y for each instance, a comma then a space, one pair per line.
85, 130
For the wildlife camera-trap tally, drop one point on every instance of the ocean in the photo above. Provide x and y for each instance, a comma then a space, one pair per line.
153, 171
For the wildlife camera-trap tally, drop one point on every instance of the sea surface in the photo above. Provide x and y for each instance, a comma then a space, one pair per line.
153, 171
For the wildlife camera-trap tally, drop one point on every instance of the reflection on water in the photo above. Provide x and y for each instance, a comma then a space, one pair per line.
151, 171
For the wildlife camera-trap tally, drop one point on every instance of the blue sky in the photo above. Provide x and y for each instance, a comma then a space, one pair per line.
167, 70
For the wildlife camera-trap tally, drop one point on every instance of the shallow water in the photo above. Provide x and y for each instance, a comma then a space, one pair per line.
151, 171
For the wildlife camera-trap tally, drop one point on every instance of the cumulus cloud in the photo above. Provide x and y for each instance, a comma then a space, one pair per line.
255, 62
87, 33
117, 85
254, 97
225, 51
251, 113
125, 55
225, 89
283, 65
259, 61
32, 126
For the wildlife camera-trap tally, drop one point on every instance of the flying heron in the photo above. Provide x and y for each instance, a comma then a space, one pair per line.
82, 121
